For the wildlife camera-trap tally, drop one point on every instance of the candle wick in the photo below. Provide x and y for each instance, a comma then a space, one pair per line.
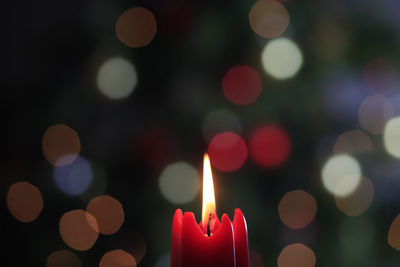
209, 225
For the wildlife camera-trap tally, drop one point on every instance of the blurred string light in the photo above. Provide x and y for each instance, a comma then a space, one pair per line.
63, 258
61, 145
163, 261
359, 201
227, 151
79, 229
219, 121
108, 212
268, 18
282, 58
341, 175
394, 233
391, 137
380, 76
136, 27
269, 146
24, 201
117, 258
179, 183
255, 259
242, 85
374, 112
117, 78
297, 209
296, 255
353, 142
74, 179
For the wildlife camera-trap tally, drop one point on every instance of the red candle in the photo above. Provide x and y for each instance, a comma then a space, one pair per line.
211, 243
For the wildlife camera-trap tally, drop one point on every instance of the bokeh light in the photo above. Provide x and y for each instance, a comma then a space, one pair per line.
102, 101
227, 151
79, 229
268, 18
218, 121
61, 145
297, 255
255, 259
341, 175
63, 258
74, 179
24, 201
374, 112
117, 258
117, 78
242, 85
391, 137
282, 58
108, 212
394, 233
269, 146
179, 183
163, 261
136, 27
359, 201
353, 142
297, 209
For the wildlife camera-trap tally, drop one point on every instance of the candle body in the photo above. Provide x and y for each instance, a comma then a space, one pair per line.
226, 247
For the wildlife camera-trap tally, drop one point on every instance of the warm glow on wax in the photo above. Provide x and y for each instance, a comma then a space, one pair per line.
208, 191
212, 242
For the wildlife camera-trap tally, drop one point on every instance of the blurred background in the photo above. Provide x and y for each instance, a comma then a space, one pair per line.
109, 106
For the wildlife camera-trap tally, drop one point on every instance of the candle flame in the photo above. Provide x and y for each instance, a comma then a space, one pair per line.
208, 192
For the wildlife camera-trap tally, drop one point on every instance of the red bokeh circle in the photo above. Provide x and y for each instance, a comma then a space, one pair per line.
242, 85
227, 151
269, 146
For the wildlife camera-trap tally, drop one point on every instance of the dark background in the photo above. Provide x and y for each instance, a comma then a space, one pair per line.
51, 51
